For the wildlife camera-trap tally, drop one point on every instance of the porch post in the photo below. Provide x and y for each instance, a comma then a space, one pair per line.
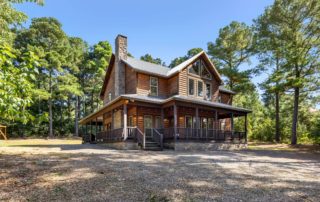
162, 118
232, 125
175, 121
245, 128
216, 122
197, 121
96, 126
112, 119
125, 124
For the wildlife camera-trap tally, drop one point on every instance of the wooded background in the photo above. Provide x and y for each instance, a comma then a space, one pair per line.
49, 80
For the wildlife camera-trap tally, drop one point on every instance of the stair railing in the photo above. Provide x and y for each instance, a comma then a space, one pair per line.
141, 138
157, 137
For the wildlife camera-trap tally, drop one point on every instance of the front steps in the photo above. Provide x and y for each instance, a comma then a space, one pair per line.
151, 145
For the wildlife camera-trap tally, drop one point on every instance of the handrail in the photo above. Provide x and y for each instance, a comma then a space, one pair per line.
141, 138
158, 137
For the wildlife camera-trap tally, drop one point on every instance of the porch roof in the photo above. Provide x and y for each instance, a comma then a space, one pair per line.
160, 101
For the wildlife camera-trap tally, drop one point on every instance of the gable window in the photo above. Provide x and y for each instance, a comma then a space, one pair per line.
200, 88
219, 98
110, 97
199, 68
208, 91
153, 86
191, 87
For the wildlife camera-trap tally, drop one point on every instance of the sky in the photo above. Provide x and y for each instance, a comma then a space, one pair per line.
165, 28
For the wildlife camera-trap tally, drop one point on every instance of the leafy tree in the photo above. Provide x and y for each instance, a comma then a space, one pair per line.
192, 52
149, 58
296, 23
233, 47
47, 39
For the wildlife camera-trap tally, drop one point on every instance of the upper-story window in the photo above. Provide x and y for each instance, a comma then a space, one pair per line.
219, 98
200, 88
153, 86
110, 97
199, 68
191, 87
208, 91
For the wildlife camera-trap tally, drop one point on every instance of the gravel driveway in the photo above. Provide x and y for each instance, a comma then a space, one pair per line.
93, 173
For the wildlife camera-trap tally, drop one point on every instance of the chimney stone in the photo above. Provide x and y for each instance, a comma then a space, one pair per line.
120, 54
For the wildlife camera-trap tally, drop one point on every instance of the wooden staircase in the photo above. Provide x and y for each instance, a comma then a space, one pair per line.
151, 145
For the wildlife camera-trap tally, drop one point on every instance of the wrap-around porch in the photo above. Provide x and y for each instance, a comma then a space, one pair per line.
175, 121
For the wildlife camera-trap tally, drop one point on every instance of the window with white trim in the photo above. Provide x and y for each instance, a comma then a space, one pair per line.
153, 86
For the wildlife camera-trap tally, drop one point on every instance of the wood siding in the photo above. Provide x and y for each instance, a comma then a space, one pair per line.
143, 85
110, 88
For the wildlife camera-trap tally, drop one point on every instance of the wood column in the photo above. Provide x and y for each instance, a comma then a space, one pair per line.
125, 120
112, 119
175, 119
162, 118
96, 126
245, 128
197, 121
232, 125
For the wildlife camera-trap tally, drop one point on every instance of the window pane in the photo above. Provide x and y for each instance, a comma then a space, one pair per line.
191, 87
154, 91
158, 122
200, 88
194, 122
154, 81
204, 72
210, 123
188, 122
204, 123
195, 68
208, 90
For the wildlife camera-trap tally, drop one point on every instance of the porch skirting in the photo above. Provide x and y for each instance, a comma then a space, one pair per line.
206, 146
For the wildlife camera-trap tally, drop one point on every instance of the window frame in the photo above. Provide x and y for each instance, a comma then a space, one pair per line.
110, 96
130, 119
206, 97
157, 86
200, 81
202, 65
194, 87
186, 125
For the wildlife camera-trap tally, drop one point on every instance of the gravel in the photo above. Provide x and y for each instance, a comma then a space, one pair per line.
93, 173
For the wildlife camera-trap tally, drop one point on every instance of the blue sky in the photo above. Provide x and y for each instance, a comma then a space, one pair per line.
165, 29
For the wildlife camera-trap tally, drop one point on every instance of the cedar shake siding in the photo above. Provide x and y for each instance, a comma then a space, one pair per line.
226, 98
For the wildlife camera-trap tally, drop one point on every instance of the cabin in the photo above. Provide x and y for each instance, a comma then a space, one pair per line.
152, 106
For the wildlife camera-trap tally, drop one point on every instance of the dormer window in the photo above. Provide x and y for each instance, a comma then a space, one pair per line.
219, 98
153, 86
199, 68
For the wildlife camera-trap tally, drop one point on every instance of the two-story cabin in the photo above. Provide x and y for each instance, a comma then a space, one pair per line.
154, 105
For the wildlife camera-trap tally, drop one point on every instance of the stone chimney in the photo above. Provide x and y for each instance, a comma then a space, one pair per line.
120, 54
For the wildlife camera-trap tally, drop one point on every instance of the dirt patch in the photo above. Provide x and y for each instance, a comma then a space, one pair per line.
75, 172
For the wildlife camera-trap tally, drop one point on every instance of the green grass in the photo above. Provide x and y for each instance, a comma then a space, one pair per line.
35, 142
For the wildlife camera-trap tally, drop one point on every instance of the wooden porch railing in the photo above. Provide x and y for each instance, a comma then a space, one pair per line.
201, 134
115, 135
141, 138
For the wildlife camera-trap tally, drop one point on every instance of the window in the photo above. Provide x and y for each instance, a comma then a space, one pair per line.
191, 87
110, 96
158, 122
199, 68
189, 122
208, 91
195, 68
194, 122
204, 123
223, 124
210, 123
219, 98
200, 89
130, 122
153, 86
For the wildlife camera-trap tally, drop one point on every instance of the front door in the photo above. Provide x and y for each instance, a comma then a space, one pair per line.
147, 125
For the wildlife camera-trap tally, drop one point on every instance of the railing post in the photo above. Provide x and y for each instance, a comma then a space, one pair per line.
125, 125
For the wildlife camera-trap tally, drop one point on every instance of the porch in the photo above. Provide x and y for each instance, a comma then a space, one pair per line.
163, 125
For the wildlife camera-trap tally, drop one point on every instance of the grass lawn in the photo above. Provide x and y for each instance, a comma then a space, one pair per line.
66, 170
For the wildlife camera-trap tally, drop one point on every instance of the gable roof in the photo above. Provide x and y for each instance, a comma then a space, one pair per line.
158, 70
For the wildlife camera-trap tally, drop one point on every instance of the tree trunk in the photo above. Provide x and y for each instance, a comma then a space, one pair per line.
277, 118
77, 110
50, 108
295, 116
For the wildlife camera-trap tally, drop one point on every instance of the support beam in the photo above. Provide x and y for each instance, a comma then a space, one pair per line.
216, 120
175, 119
232, 126
125, 120
112, 119
197, 121
162, 118
245, 128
